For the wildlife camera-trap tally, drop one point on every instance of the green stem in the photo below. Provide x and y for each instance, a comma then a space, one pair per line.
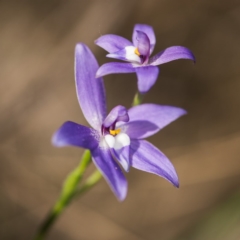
138, 98
90, 182
69, 190
67, 194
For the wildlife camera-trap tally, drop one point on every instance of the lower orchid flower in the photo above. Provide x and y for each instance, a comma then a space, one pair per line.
116, 139
138, 54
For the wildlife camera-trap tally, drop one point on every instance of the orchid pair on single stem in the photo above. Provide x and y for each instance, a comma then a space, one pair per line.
115, 141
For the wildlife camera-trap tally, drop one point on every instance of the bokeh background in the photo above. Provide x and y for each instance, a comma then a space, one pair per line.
37, 92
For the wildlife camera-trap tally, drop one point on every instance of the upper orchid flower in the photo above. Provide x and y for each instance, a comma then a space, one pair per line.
116, 137
138, 54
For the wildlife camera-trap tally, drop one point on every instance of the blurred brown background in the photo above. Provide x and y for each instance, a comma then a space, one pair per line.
37, 92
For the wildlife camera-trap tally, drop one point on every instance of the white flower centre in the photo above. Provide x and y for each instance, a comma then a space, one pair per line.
117, 142
131, 54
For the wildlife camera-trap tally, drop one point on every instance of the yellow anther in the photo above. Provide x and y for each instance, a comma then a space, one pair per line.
115, 132
137, 52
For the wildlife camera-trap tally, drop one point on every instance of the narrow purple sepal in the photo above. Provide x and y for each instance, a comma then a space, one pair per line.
119, 113
171, 54
90, 91
111, 172
114, 67
120, 55
122, 156
147, 77
146, 157
148, 30
73, 134
143, 44
112, 43
148, 119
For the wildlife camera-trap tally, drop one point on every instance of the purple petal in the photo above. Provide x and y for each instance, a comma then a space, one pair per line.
90, 91
119, 113
112, 43
148, 30
73, 134
171, 54
143, 44
111, 172
147, 76
122, 156
146, 157
128, 54
115, 67
120, 55
148, 119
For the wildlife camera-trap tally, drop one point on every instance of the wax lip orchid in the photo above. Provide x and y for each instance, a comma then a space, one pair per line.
138, 54
116, 139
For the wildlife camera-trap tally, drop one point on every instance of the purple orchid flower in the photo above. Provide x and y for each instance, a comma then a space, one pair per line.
138, 54
115, 138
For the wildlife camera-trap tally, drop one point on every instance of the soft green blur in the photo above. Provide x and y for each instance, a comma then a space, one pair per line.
69, 190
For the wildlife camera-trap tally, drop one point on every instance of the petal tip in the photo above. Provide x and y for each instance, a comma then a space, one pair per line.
176, 184
172, 177
126, 167
112, 55
100, 72
98, 42
80, 47
192, 56
55, 141
98, 75
184, 112
122, 197
180, 112
174, 180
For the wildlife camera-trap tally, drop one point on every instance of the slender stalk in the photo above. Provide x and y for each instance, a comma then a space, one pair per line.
138, 98
68, 191
89, 183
